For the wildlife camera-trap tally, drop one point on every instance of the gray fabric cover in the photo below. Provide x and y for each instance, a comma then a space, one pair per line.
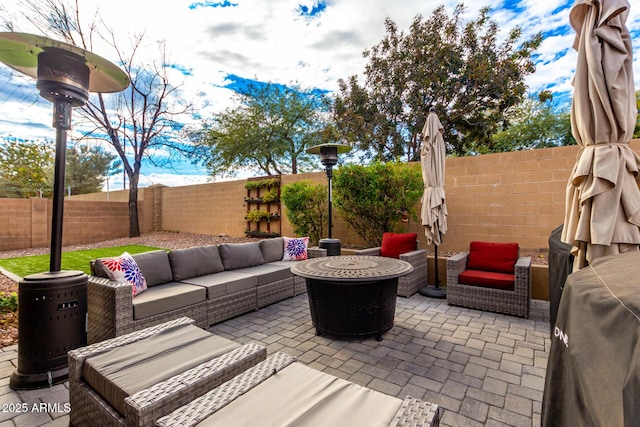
593, 370
194, 262
123, 371
155, 267
166, 297
224, 283
302, 396
240, 255
272, 249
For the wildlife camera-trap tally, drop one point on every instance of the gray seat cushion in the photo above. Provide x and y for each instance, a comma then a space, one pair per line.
272, 249
166, 297
123, 371
194, 262
240, 255
268, 273
302, 396
224, 283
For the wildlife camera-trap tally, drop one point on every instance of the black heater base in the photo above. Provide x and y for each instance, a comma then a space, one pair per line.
20, 381
433, 292
52, 318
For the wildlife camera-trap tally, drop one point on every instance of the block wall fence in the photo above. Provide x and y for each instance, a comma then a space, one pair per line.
509, 197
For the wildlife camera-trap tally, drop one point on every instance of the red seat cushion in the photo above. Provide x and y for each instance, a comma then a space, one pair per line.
493, 256
487, 279
394, 244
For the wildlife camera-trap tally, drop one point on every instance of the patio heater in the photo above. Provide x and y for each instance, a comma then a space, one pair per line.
329, 157
52, 306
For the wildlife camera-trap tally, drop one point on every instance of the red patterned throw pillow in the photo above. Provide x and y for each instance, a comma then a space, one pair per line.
295, 248
124, 269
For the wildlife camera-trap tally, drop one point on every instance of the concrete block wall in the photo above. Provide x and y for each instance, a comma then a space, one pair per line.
515, 196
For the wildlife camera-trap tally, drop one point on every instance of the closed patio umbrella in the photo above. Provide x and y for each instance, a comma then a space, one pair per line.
602, 213
434, 208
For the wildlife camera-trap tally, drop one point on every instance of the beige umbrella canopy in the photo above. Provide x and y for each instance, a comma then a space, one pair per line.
602, 214
432, 155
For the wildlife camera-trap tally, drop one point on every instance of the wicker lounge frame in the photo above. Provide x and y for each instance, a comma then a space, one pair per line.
88, 408
413, 412
411, 283
515, 302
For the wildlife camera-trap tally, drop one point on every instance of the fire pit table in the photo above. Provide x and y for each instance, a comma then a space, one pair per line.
352, 295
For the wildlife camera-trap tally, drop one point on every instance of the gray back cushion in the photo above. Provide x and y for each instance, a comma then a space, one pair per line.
272, 249
195, 262
155, 267
240, 255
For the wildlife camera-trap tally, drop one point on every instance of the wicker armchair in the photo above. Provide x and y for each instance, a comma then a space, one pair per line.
410, 284
474, 284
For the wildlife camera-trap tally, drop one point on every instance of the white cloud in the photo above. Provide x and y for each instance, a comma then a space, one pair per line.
271, 41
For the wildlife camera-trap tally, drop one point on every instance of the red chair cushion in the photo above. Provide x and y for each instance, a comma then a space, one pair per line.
487, 279
493, 256
394, 244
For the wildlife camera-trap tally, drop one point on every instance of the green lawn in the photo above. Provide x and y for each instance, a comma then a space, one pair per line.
75, 260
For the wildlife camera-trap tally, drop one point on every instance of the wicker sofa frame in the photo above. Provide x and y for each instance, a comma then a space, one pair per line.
88, 408
110, 307
413, 412
515, 302
411, 283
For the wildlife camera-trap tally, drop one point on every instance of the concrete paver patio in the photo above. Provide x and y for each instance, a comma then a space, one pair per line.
483, 369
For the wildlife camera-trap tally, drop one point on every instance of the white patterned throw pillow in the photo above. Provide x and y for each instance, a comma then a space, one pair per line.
295, 248
124, 269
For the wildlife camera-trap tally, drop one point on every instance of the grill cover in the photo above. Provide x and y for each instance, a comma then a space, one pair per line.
593, 371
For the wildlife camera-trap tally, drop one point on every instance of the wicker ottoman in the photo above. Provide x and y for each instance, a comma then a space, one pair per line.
280, 391
137, 378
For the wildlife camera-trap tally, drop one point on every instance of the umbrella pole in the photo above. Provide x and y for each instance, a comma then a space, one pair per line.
434, 291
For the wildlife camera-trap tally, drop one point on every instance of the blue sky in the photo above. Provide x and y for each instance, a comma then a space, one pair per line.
214, 45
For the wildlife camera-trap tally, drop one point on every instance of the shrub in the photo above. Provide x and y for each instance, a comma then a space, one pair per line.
9, 303
270, 195
257, 215
262, 183
369, 198
307, 210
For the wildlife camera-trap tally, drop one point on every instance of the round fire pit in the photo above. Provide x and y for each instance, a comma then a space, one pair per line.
352, 296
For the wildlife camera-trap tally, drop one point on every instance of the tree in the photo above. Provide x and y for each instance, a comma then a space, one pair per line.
460, 69
372, 199
269, 129
307, 209
24, 168
534, 123
86, 169
136, 122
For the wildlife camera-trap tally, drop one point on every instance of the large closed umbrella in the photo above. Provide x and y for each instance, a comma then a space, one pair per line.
602, 214
434, 208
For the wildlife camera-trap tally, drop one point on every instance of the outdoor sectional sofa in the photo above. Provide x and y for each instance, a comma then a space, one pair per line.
208, 284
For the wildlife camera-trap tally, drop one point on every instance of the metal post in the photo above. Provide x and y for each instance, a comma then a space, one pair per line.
329, 171
62, 122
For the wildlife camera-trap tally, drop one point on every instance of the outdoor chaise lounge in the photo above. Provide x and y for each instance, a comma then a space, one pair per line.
491, 276
403, 246
282, 392
137, 378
